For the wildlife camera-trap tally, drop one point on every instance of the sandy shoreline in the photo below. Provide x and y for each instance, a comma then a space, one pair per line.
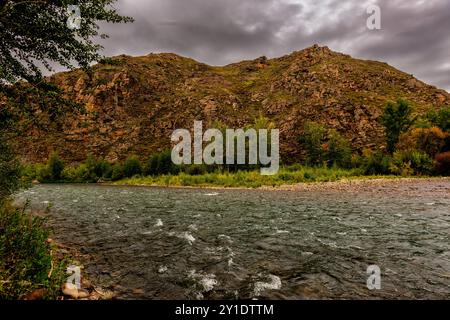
364, 185
344, 185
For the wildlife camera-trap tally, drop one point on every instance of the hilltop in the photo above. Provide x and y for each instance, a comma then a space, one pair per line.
134, 103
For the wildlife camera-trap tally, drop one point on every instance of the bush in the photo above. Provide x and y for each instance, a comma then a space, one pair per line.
103, 169
443, 164
325, 146
196, 170
339, 151
376, 164
427, 140
440, 118
165, 164
55, 167
161, 164
10, 171
151, 167
132, 167
313, 141
407, 163
25, 257
117, 172
110, 61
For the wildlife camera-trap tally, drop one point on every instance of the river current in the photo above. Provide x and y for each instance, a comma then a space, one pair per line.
158, 243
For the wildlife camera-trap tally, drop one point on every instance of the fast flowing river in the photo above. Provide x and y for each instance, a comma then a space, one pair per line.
156, 243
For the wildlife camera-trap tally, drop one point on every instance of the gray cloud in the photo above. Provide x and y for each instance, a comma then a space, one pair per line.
414, 35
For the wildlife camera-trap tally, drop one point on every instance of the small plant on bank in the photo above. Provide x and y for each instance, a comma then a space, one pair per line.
428, 140
409, 163
376, 164
26, 261
443, 164
117, 172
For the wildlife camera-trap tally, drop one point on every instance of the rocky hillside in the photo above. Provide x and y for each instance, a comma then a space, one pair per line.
134, 103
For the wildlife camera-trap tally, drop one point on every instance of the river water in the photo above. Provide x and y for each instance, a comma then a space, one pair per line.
157, 243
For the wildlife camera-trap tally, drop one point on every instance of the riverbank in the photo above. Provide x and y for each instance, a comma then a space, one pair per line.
247, 179
319, 180
31, 267
372, 184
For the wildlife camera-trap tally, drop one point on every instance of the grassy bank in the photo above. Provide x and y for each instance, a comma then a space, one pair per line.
249, 179
28, 266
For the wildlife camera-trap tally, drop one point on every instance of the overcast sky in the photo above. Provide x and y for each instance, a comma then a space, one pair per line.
414, 36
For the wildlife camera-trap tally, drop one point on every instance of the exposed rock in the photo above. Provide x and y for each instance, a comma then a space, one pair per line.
134, 105
71, 291
36, 295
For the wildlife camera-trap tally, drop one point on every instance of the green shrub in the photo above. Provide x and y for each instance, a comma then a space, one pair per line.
312, 140
132, 167
103, 169
407, 163
196, 170
440, 118
376, 164
10, 171
325, 146
338, 150
106, 169
110, 61
151, 168
161, 164
69, 174
117, 172
55, 167
165, 164
428, 140
90, 172
443, 164
43, 173
25, 257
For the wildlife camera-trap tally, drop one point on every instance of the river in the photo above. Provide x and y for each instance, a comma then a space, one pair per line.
159, 243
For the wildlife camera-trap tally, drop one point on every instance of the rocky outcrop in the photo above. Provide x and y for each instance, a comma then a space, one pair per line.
134, 103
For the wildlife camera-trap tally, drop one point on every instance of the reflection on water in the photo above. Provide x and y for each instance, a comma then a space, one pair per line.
156, 243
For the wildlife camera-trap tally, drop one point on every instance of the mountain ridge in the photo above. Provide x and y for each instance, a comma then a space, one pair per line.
134, 103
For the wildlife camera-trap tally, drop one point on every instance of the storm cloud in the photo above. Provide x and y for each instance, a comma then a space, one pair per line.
414, 35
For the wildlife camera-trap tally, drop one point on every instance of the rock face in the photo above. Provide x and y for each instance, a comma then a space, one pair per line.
134, 103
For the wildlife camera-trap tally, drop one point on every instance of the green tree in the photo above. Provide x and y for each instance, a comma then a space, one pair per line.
117, 172
165, 164
55, 166
103, 169
312, 140
34, 34
440, 118
151, 167
132, 167
339, 151
9, 171
37, 32
397, 119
